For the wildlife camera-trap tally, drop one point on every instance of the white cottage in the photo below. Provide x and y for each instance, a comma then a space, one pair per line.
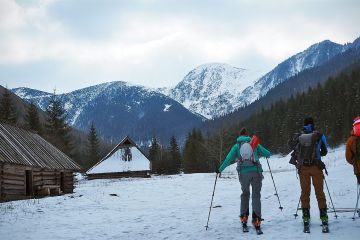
125, 160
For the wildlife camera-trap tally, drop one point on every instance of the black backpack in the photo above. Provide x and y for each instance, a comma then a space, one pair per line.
306, 149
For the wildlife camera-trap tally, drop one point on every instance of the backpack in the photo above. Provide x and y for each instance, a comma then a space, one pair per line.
357, 149
246, 155
306, 149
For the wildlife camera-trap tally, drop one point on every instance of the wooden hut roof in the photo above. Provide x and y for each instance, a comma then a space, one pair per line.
18, 146
126, 142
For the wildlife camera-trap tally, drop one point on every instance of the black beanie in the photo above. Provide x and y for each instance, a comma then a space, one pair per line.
308, 121
243, 132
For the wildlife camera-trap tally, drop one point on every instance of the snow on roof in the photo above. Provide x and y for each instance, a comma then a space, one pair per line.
115, 163
116, 160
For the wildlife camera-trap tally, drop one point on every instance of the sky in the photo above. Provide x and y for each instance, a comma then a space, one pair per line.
71, 44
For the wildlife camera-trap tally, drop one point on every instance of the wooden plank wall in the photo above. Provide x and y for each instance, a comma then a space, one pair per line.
69, 182
137, 174
1, 185
13, 180
49, 178
42, 178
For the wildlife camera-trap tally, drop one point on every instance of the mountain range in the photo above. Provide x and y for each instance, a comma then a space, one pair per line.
119, 109
214, 90
208, 91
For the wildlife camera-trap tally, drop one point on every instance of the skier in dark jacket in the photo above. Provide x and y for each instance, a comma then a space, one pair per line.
311, 146
249, 174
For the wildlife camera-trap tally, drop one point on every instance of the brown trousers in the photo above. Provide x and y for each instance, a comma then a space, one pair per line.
306, 174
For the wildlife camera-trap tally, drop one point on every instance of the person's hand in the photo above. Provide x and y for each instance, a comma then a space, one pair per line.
217, 171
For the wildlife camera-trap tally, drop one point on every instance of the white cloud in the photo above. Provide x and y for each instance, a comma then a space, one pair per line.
151, 43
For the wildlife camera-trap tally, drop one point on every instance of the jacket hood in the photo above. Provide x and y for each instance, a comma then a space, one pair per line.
243, 139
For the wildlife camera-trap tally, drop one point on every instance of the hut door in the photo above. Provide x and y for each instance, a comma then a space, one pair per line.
29, 183
62, 181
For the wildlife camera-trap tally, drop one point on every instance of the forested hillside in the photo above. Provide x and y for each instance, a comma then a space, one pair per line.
344, 62
333, 105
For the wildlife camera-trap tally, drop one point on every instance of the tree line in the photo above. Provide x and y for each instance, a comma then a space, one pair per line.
199, 154
55, 129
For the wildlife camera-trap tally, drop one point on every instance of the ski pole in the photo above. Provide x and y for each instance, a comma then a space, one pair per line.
330, 198
357, 201
212, 198
276, 193
297, 209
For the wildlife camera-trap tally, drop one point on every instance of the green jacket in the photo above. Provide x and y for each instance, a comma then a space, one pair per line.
235, 153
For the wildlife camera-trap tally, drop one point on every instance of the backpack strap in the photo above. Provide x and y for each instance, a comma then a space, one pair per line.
357, 149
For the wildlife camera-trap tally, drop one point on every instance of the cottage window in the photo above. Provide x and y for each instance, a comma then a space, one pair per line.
127, 156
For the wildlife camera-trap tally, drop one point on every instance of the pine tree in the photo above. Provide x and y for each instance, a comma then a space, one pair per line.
7, 110
154, 155
174, 156
188, 155
216, 148
93, 148
32, 120
195, 156
57, 129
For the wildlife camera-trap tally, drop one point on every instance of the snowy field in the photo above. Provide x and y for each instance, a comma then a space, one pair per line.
176, 207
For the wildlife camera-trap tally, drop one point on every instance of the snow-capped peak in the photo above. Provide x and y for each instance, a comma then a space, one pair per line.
212, 89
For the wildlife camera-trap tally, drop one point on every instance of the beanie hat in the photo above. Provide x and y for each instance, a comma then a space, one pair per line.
356, 120
308, 120
356, 126
243, 132
308, 125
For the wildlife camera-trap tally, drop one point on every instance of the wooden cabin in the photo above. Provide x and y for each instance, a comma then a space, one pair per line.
125, 160
30, 166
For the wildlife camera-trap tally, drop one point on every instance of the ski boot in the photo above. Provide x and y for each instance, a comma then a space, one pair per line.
306, 219
256, 221
244, 219
324, 220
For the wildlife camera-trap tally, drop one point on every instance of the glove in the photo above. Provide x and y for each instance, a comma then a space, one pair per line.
217, 171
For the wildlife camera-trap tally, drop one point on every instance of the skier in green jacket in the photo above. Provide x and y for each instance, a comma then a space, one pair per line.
250, 173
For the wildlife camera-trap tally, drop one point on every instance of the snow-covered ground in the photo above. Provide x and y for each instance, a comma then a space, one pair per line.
176, 207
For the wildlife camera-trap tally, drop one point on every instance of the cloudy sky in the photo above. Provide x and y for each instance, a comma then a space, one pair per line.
70, 44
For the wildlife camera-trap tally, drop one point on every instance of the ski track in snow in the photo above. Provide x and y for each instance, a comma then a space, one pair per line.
176, 207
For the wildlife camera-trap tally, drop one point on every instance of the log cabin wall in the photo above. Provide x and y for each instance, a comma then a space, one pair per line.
42, 178
136, 174
13, 181
68, 182
31, 166
64, 179
1, 179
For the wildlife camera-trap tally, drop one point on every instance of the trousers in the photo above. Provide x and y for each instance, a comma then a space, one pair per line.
253, 179
314, 174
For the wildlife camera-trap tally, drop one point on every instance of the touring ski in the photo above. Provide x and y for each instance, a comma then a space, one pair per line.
258, 230
325, 228
245, 227
306, 228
